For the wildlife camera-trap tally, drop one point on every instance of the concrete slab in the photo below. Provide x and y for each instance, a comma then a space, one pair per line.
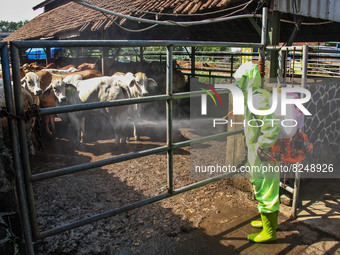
324, 246
230, 227
315, 231
320, 208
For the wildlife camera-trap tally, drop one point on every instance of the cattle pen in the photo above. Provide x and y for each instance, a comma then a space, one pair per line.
21, 158
21, 154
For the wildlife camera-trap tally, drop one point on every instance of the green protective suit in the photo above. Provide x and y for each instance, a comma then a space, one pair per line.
266, 185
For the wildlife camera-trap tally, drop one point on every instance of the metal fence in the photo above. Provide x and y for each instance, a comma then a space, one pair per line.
25, 179
321, 62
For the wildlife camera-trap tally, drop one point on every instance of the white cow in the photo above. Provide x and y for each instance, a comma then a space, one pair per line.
73, 90
138, 85
31, 82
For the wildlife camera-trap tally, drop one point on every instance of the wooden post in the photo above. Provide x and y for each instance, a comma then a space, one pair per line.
105, 54
141, 54
48, 55
104, 57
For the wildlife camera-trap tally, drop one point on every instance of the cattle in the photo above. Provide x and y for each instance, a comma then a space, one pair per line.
23, 70
50, 66
181, 107
87, 74
98, 89
31, 82
87, 66
138, 85
66, 67
27, 100
60, 71
36, 83
35, 66
157, 70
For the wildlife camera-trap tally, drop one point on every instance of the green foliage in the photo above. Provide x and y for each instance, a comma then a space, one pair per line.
331, 44
11, 26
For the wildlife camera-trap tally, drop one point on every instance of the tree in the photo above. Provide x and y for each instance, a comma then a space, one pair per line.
11, 26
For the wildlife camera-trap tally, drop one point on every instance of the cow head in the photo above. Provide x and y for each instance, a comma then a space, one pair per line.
31, 81
59, 89
144, 83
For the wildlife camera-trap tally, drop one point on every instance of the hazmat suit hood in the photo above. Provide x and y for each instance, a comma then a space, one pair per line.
248, 76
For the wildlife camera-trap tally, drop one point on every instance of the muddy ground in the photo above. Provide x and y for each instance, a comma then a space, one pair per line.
155, 228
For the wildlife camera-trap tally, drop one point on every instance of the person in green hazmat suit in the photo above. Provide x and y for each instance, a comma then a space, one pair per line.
260, 134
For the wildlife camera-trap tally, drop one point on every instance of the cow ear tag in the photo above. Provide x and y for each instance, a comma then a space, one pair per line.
70, 90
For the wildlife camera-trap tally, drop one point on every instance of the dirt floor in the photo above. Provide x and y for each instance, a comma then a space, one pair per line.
209, 220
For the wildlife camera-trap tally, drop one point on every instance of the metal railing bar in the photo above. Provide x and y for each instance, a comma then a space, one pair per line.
313, 50
169, 118
321, 56
17, 163
204, 182
284, 48
131, 206
322, 75
99, 163
147, 99
26, 166
128, 43
207, 69
286, 187
198, 54
96, 105
296, 190
206, 138
319, 62
102, 216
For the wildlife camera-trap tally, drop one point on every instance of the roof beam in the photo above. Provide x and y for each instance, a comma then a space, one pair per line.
295, 31
253, 22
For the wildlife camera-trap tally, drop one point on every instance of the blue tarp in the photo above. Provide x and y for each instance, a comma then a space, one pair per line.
39, 53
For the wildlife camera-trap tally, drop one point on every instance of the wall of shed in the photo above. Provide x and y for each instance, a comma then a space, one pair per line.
320, 9
323, 127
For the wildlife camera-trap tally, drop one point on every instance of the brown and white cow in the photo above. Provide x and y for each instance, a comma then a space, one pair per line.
87, 66
36, 83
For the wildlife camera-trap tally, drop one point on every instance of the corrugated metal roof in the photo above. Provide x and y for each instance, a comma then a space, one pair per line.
320, 9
